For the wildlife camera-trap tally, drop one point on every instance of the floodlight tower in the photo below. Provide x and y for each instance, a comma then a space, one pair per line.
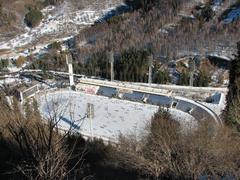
192, 69
90, 115
70, 69
111, 60
150, 64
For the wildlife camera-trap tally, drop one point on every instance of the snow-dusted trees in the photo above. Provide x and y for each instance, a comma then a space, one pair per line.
4, 63
146, 5
161, 27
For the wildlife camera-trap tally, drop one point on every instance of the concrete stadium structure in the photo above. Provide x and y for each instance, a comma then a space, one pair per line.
160, 95
122, 107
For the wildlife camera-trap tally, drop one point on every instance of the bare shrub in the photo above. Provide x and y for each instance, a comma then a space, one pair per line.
44, 150
166, 152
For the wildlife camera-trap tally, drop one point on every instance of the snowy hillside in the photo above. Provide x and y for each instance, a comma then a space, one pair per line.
59, 23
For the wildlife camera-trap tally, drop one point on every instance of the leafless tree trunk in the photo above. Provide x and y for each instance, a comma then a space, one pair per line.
165, 151
43, 146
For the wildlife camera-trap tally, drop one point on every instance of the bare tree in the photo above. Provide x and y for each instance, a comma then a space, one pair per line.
166, 151
46, 151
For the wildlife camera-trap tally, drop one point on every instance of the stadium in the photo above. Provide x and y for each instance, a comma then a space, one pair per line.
123, 108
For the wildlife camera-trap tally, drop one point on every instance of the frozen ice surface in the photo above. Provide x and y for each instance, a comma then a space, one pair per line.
112, 116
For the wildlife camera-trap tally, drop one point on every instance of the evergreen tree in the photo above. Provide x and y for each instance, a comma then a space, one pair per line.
1, 9
33, 17
161, 77
207, 13
132, 65
184, 79
232, 115
202, 79
4, 64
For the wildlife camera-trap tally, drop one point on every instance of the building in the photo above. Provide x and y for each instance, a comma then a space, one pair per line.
25, 91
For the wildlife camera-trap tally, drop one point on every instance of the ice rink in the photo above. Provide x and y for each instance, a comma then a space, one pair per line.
112, 117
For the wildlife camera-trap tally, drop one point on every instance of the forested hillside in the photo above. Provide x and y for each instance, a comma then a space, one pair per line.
163, 27
166, 29
13, 12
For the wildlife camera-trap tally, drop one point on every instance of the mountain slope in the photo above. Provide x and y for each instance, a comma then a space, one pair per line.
59, 22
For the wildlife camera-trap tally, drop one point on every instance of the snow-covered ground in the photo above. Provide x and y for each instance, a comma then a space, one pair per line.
9, 80
112, 116
218, 104
58, 23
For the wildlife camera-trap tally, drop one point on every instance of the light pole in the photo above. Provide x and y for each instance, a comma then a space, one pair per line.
70, 69
192, 70
90, 115
111, 60
150, 64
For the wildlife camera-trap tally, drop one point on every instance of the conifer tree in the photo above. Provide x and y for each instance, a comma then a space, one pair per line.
202, 79
232, 115
184, 79
1, 8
